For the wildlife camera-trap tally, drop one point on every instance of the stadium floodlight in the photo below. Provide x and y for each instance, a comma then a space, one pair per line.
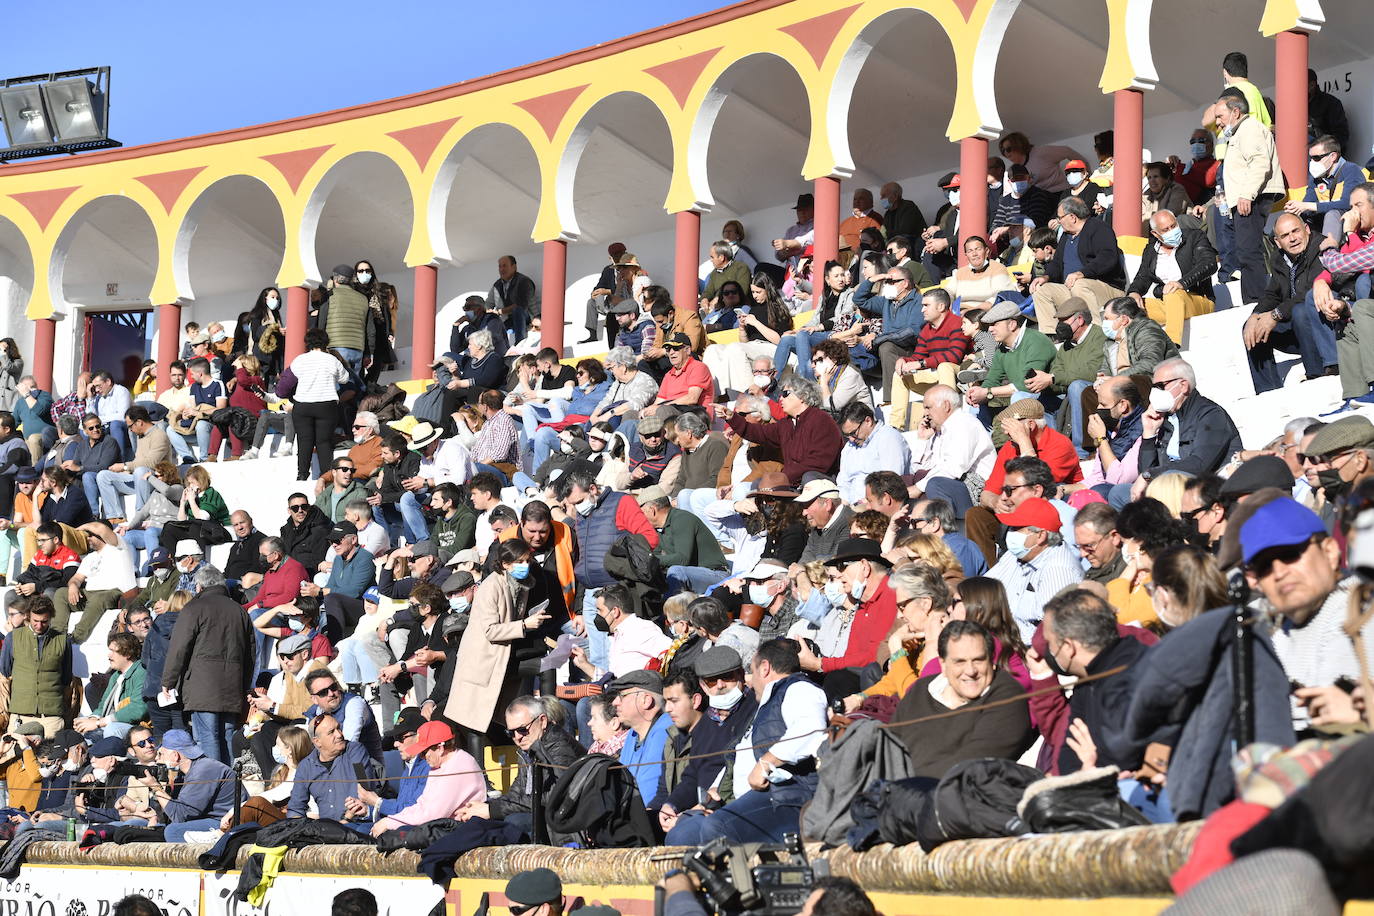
54, 113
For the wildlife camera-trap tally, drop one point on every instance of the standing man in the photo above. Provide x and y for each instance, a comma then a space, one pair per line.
1252, 181
513, 297
35, 669
110, 402
800, 235
210, 663
344, 318
900, 217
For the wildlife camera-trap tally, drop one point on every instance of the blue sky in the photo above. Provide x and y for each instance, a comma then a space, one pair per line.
194, 66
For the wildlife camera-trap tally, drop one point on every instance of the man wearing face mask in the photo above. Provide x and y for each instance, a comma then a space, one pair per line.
1037, 565
1343, 455
475, 318
634, 641
1113, 429
1136, 343
770, 588
1199, 176
729, 710
1081, 343
1331, 179
863, 576
1182, 430
1176, 271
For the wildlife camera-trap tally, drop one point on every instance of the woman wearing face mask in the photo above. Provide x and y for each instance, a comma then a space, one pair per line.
1186, 581
501, 629
823, 605
609, 452
840, 381
1146, 528
981, 279
382, 308
261, 331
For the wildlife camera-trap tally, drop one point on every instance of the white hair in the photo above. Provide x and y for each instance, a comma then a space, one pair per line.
1180, 366
943, 394
368, 418
480, 339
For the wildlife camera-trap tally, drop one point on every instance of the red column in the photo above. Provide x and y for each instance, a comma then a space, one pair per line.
686, 258
555, 289
168, 338
973, 190
827, 223
44, 346
297, 317
423, 316
1290, 105
1128, 125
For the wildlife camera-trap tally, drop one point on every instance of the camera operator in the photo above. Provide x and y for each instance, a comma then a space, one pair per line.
830, 896
95, 788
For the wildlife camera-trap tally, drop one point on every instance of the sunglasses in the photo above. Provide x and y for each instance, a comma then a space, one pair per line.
328, 691
146, 742
361, 426
1009, 489
299, 507
522, 730
1289, 554
93, 429
345, 470
1168, 381
520, 909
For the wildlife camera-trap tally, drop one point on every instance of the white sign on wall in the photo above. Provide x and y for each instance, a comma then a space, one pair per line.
53, 891
312, 895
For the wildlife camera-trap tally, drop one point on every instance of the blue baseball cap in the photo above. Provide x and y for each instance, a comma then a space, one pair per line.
159, 556
373, 595
179, 740
1281, 523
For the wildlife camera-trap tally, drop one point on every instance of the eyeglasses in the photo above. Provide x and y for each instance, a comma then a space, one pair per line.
298, 507
520, 909
1192, 514
1319, 157
1166, 382
141, 622
328, 691
361, 426
787, 392
146, 742
1008, 489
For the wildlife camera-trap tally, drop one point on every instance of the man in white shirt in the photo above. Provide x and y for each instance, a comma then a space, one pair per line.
870, 445
372, 537
775, 760
105, 574
949, 441
1037, 565
634, 641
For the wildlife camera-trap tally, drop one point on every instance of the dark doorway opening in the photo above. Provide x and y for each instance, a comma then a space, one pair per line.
117, 342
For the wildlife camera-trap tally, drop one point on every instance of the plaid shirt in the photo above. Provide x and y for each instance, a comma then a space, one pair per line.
73, 405
497, 442
1355, 257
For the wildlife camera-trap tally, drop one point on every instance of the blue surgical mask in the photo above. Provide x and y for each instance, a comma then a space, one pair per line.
1173, 238
815, 607
759, 594
364, 276
834, 592
856, 590
1198, 150
520, 570
1016, 544
887, 204
459, 605
1020, 187
295, 624
1110, 330
278, 754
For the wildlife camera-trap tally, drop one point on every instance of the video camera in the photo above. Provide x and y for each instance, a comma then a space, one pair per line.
777, 886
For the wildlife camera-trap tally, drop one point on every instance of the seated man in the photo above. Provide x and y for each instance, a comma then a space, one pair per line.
1349, 271
1099, 543
941, 346
1136, 343
1021, 350
690, 554
1075, 366
775, 761
122, 706
1114, 434
869, 445
1182, 430
950, 443
1025, 477
1176, 270
329, 776
97, 452
1037, 565
52, 566
1345, 280
703, 452
1296, 265
105, 574
968, 678
204, 792
462, 785
1029, 437
1331, 179
1086, 264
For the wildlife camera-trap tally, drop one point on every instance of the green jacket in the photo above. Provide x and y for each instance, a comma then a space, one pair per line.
735, 270
332, 504
38, 679
1078, 363
345, 318
686, 541
1009, 366
455, 534
211, 503
156, 590
1148, 345
129, 705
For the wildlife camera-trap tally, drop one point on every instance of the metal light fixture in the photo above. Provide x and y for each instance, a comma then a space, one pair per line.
54, 113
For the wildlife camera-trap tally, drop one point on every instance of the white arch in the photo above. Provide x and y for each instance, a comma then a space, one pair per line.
308, 231
181, 246
446, 178
57, 264
16, 288
985, 57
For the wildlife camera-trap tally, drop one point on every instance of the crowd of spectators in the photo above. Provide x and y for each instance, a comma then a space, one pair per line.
886, 487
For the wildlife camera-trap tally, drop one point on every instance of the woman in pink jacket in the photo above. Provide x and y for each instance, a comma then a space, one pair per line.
454, 780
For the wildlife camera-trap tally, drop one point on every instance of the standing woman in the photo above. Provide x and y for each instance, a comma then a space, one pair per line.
379, 353
261, 332
11, 370
759, 332
486, 676
312, 383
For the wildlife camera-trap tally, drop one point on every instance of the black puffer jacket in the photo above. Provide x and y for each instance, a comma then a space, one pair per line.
307, 542
555, 750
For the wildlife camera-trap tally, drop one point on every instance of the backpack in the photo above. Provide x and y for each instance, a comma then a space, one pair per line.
596, 800
632, 562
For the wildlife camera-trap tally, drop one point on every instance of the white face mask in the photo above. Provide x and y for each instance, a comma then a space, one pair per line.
1073, 178
99, 773
364, 277
726, 700
565, 446
762, 381
759, 594
273, 302
218, 336
954, 198
68, 766
889, 290
46, 772
585, 507
1161, 401
1316, 169
823, 367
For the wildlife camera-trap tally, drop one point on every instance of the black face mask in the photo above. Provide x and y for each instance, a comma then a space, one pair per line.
1054, 663
1063, 333
600, 623
1107, 418
1330, 481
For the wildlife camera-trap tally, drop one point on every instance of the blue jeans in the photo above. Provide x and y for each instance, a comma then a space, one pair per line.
1316, 337
542, 444
354, 359
1075, 396
176, 833
165, 718
697, 579
399, 519
522, 481
531, 415
500, 474
183, 449
119, 432
751, 818
799, 343
139, 540
214, 732
114, 484
518, 321
92, 489
358, 668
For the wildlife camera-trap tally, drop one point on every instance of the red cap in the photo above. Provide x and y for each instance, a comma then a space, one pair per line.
1075, 165
429, 735
1033, 513
953, 183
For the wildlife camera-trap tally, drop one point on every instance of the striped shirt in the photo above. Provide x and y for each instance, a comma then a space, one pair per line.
942, 343
318, 377
1031, 583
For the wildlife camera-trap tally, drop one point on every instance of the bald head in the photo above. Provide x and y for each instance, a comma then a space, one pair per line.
1291, 233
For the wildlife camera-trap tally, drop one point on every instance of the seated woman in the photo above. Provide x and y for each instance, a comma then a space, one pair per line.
724, 313
759, 333
202, 514
1146, 528
465, 376
969, 679
589, 391
607, 731
247, 391
839, 379
269, 806
144, 529
835, 315
981, 279
462, 783
923, 601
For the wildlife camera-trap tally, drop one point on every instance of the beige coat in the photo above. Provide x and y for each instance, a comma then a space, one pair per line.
494, 623
1252, 163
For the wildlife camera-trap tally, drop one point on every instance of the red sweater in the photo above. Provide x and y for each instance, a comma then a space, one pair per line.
942, 343
810, 441
1052, 447
281, 586
872, 622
